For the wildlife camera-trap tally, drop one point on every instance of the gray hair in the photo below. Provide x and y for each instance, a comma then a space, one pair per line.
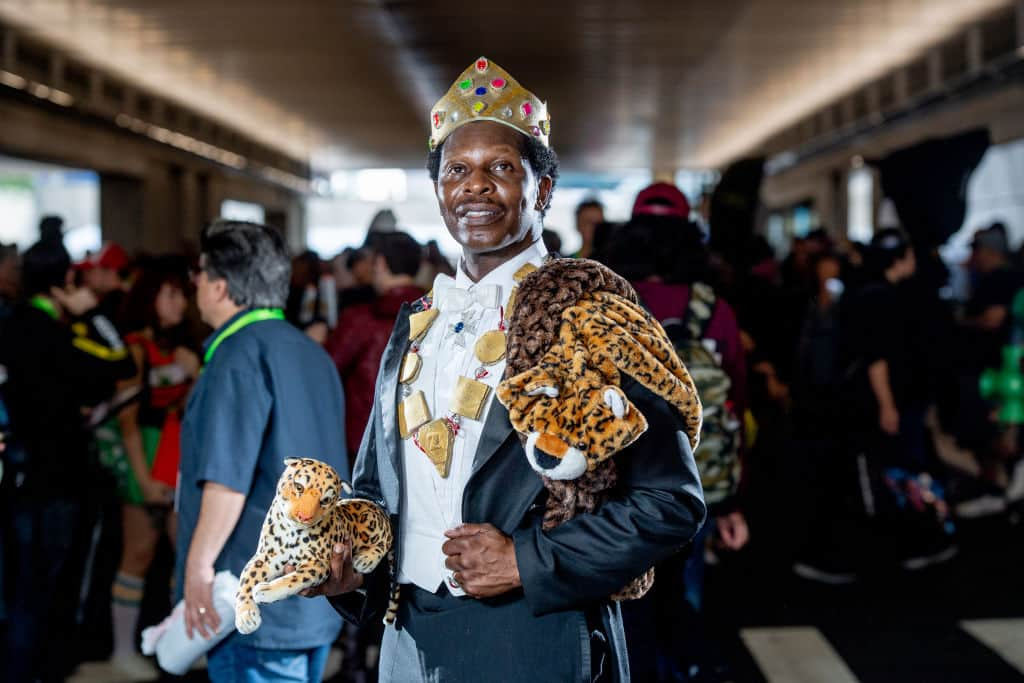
251, 258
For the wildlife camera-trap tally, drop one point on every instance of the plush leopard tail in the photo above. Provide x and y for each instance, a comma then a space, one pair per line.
392, 612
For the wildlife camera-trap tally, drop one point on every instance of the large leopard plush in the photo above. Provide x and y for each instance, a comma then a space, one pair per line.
576, 330
570, 405
307, 518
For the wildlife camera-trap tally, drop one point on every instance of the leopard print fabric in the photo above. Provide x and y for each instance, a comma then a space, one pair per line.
574, 330
307, 518
570, 404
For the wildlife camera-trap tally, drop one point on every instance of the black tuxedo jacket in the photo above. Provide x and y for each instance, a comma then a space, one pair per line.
656, 509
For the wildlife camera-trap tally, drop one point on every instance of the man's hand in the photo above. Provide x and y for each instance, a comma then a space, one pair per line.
200, 616
483, 559
188, 361
889, 420
343, 578
156, 492
732, 529
75, 301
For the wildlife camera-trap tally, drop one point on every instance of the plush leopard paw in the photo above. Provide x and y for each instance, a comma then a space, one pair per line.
365, 562
247, 617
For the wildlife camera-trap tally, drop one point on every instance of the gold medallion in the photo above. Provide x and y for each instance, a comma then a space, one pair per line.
490, 348
420, 322
511, 303
435, 439
469, 398
412, 413
411, 365
523, 272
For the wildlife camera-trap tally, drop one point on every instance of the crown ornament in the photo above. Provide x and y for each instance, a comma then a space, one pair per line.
486, 92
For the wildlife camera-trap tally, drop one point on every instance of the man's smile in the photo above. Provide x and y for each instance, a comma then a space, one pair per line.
476, 214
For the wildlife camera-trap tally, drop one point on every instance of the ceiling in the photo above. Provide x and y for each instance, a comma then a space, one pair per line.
660, 84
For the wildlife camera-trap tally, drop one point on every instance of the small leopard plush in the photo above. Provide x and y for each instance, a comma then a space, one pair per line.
307, 518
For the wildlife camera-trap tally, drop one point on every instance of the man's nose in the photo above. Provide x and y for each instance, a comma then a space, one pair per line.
479, 182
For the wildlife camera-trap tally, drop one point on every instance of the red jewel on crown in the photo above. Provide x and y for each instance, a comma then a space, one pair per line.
527, 109
498, 83
438, 118
481, 65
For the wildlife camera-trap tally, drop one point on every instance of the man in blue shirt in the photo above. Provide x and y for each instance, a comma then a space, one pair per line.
267, 393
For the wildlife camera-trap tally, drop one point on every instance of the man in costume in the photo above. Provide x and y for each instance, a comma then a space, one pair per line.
488, 589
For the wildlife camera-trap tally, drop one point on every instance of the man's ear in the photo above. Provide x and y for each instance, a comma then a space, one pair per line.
220, 289
544, 188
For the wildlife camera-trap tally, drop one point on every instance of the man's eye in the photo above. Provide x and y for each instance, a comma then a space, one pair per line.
455, 169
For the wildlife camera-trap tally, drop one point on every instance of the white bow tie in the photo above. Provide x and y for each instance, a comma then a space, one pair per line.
449, 298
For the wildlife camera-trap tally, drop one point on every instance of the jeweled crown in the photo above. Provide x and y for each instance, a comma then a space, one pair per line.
486, 92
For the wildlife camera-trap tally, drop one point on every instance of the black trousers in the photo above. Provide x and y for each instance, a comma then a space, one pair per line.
38, 545
439, 637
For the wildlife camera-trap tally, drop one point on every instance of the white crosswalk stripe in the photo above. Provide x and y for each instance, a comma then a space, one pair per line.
798, 654
1003, 636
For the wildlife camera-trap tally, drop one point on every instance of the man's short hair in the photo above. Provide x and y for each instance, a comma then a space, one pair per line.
542, 161
44, 265
252, 258
401, 252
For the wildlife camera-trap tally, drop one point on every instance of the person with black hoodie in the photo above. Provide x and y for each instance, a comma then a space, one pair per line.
59, 353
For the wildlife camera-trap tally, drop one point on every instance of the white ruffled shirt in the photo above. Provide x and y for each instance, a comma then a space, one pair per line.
431, 504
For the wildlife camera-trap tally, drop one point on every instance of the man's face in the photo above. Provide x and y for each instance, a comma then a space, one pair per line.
487, 193
101, 280
986, 260
208, 292
588, 220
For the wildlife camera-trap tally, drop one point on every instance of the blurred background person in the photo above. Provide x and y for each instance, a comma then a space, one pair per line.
10, 278
146, 460
106, 274
662, 252
60, 353
589, 215
363, 330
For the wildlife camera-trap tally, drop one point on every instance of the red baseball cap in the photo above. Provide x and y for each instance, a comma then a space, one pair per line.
661, 199
110, 256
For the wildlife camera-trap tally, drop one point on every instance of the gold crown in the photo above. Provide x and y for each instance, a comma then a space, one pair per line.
486, 92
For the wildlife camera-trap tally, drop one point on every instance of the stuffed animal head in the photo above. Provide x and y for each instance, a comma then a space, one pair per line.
572, 421
308, 490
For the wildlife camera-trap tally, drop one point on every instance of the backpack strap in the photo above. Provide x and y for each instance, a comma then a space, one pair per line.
699, 310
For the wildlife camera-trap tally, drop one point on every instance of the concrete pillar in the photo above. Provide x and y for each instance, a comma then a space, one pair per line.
121, 210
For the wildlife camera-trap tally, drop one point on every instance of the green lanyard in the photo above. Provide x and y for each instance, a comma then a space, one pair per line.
249, 318
44, 305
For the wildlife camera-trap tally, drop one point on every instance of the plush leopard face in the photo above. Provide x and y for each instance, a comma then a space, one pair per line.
309, 489
573, 420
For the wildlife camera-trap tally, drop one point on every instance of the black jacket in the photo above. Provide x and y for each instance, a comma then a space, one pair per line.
54, 370
571, 570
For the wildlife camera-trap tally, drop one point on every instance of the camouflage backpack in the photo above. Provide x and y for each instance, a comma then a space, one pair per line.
718, 455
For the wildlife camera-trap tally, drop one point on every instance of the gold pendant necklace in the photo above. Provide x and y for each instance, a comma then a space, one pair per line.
436, 437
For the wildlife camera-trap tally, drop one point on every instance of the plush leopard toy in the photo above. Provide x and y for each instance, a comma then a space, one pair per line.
308, 516
570, 406
576, 329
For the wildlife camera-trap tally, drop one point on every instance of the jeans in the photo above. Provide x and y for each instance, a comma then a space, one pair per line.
234, 663
38, 539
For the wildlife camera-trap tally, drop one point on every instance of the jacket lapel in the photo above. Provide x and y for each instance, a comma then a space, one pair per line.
388, 388
496, 431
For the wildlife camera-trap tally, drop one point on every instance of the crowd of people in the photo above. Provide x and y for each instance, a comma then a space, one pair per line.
849, 363
831, 355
